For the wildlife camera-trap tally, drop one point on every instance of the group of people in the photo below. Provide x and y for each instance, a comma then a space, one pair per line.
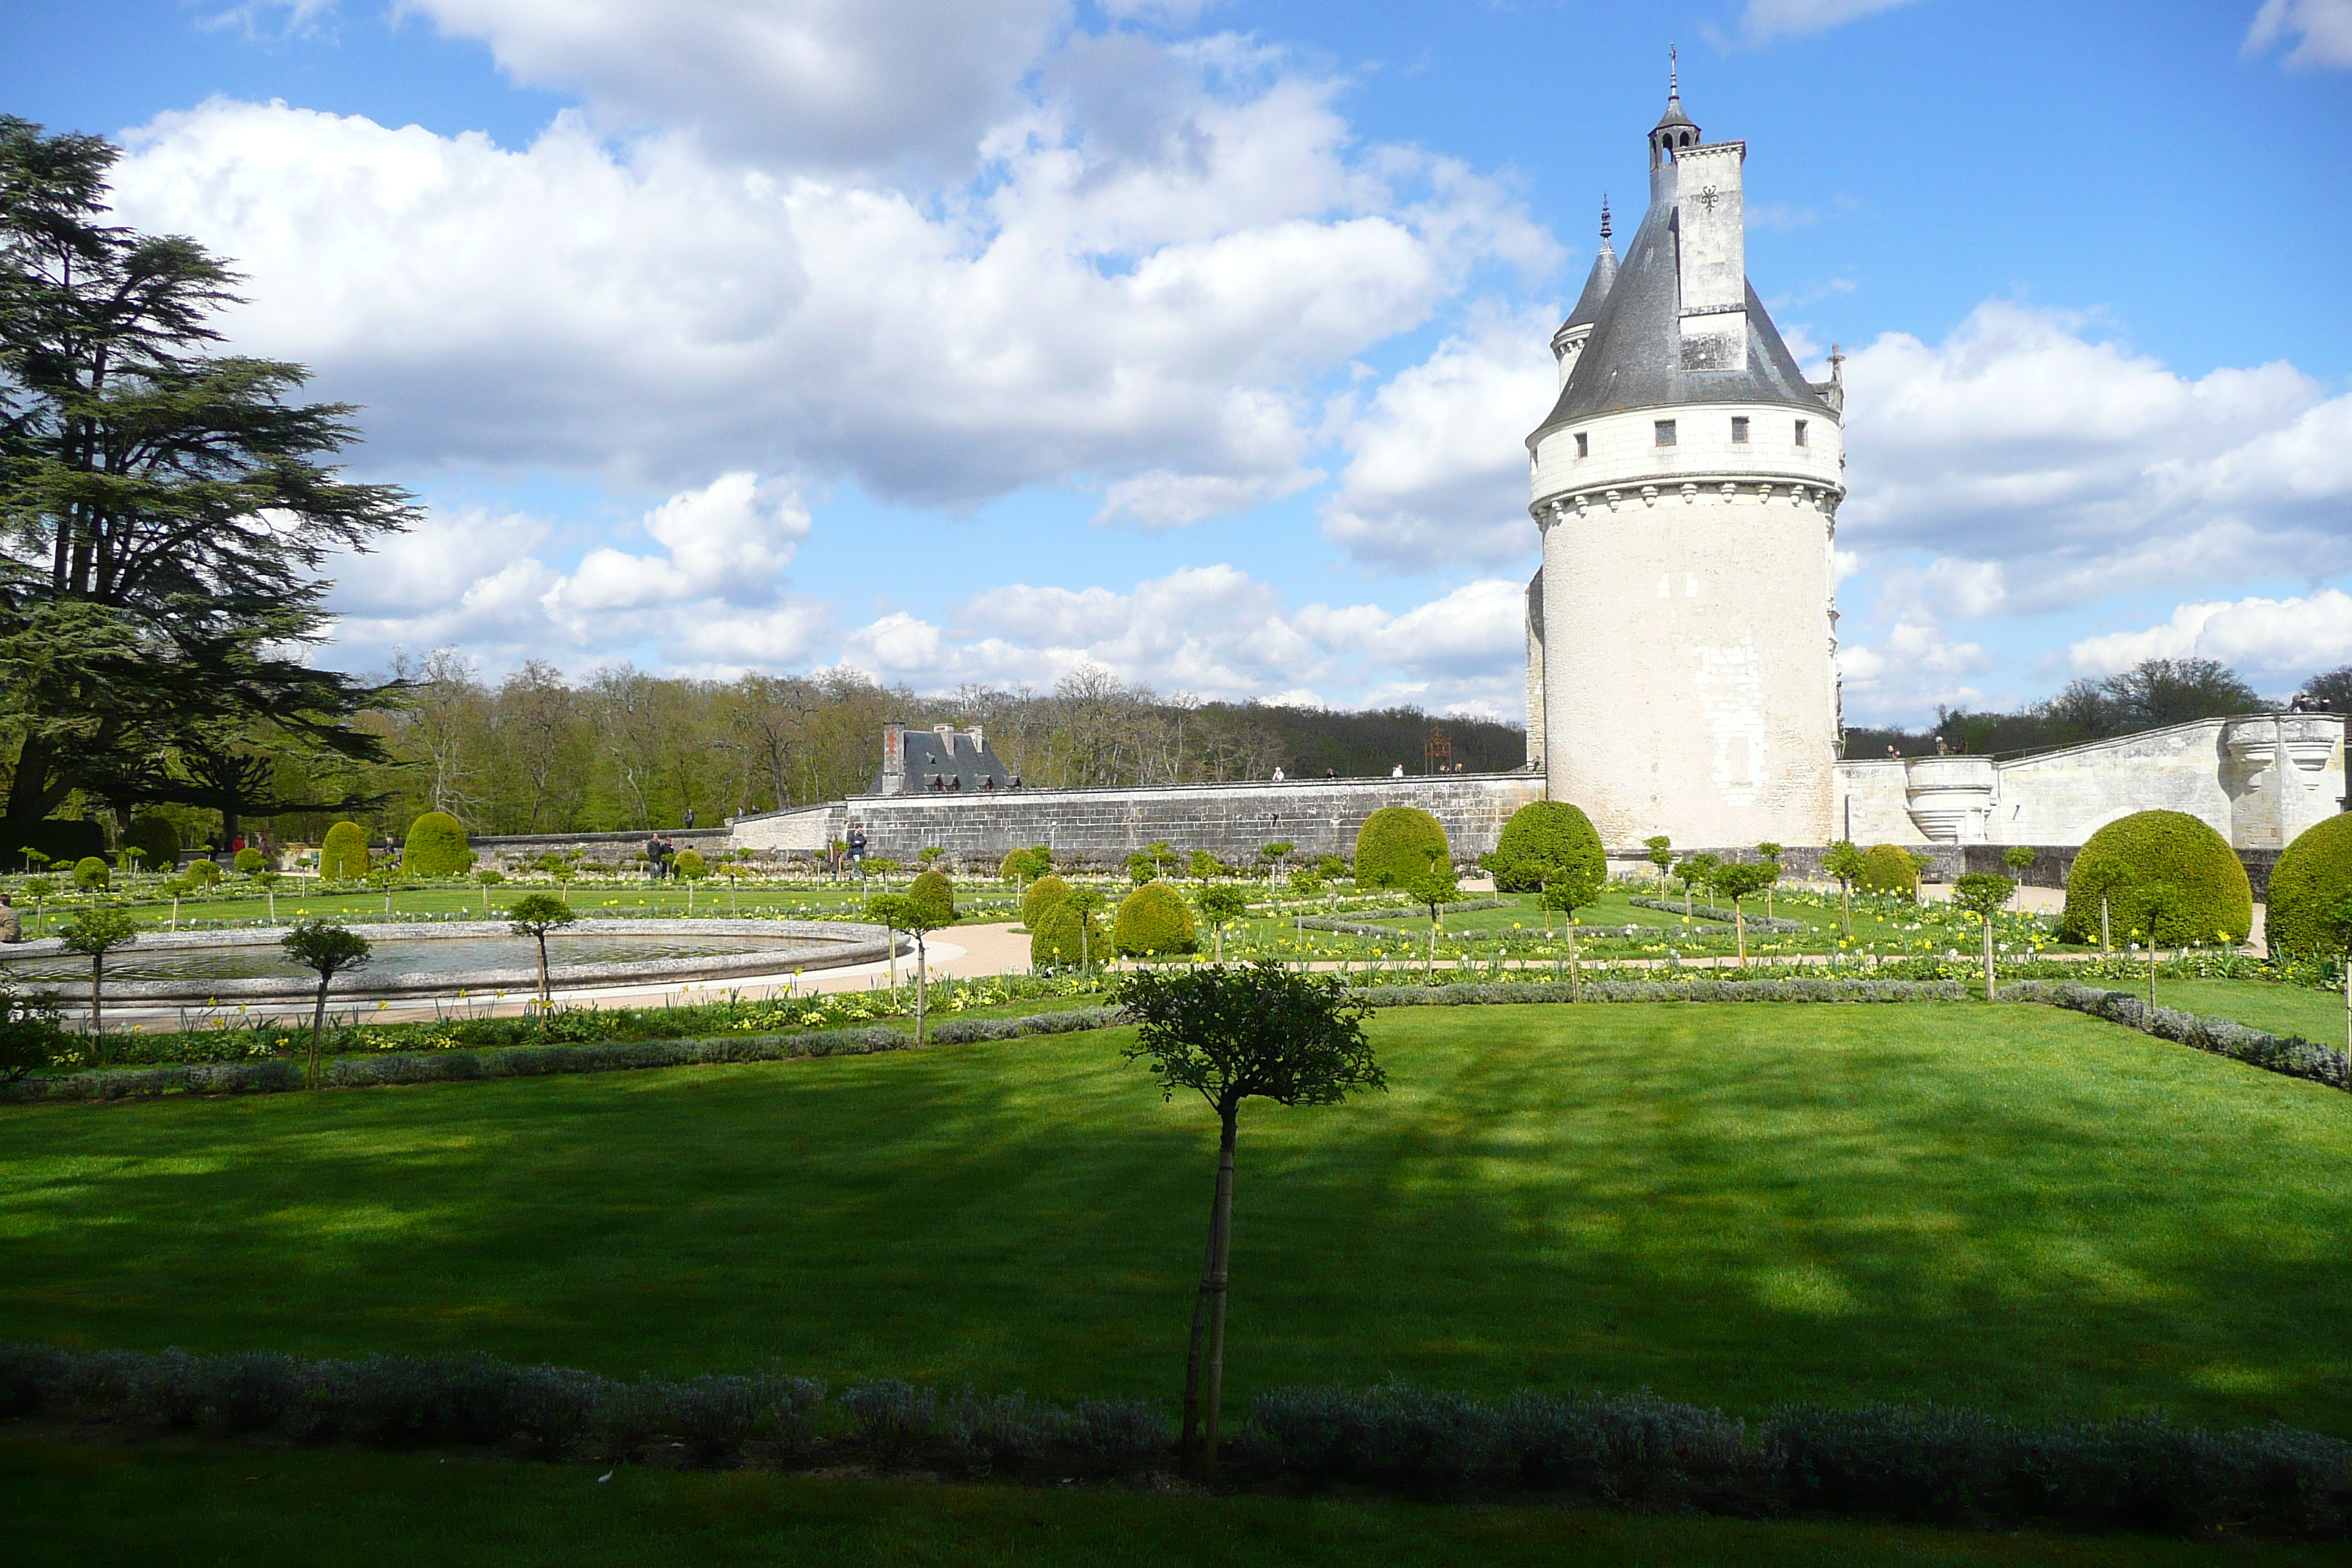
2305, 702
987, 781
661, 858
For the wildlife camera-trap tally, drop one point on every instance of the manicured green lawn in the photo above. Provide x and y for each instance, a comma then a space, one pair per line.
188, 1504
2021, 1208
2316, 1016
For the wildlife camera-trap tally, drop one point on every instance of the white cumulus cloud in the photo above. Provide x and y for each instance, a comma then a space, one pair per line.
1436, 472
2049, 468
1152, 314
2261, 639
2321, 31
1774, 18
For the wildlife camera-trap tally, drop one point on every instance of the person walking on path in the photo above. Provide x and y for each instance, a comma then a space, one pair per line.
654, 857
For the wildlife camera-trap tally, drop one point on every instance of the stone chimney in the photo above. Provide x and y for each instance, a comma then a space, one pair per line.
1711, 255
894, 757
979, 740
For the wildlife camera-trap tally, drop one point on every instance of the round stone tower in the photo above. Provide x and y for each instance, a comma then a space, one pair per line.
1687, 483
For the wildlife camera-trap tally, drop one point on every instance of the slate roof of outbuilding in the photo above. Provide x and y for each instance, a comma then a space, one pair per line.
1634, 358
927, 757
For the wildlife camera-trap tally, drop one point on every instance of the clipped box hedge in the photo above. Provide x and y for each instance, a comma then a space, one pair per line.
2314, 873
2165, 876
1546, 839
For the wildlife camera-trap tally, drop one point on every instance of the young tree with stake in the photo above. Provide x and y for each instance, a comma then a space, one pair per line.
1738, 880
1661, 850
534, 915
1221, 907
1433, 890
1771, 854
1984, 895
97, 932
326, 950
1230, 1035
1697, 871
917, 917
1843, 861
1568, 892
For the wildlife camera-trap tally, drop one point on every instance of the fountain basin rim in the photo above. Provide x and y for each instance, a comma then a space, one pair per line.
826, 944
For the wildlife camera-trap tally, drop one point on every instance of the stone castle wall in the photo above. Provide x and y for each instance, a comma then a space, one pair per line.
1321, 816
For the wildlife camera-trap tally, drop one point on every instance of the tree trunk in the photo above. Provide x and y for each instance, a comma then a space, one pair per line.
1575, 974
318, 1032
97, 1008
1988, 944
1220, 1247
890, 945
922, 980
2151, 975
545, 999
2106, 939
1739, 930
1845, 901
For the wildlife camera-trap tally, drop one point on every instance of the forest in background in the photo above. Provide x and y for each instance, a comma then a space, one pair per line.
536, 752
2150, 695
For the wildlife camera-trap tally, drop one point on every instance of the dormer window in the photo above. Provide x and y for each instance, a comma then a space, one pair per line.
1665, 432
1583, 445
1801, 432
1740, 429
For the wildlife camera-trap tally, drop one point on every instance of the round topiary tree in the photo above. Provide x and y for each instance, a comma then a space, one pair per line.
1396, 844
157, 839
1043, 895
2166, 876
2314, 872
91, 874
249, 860
1018, 865
343, 853
1545, 840
1055, 940
1153, 921
934, 891
436, 847
1886, 869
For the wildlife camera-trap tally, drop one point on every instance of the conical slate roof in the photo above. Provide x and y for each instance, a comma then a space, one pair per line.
1634, 358
1597, 284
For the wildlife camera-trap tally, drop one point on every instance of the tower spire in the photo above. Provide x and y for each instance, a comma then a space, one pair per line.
1604, 216
1674, 75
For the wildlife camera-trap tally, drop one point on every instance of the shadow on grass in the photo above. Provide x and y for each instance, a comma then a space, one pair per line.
2023, 1209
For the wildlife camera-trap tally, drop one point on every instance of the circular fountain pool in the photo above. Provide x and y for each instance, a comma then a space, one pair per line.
472, 956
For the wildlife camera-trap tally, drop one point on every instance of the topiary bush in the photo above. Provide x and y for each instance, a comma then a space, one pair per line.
690, 865
2314, 872
1019, 865
1396, 844
156, 838
343, 853
1153, 921
1886, 869
2166, 876
1053, 938
1043, 895
89, 874
934, 890
249, 860
436, 847
1546, 839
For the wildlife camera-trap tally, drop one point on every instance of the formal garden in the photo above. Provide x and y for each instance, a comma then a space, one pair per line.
1606, 1211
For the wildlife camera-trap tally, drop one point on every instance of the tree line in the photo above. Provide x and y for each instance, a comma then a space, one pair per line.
533, 752
2150, 695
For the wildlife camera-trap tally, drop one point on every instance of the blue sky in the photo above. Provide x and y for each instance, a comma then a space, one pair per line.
974, 342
